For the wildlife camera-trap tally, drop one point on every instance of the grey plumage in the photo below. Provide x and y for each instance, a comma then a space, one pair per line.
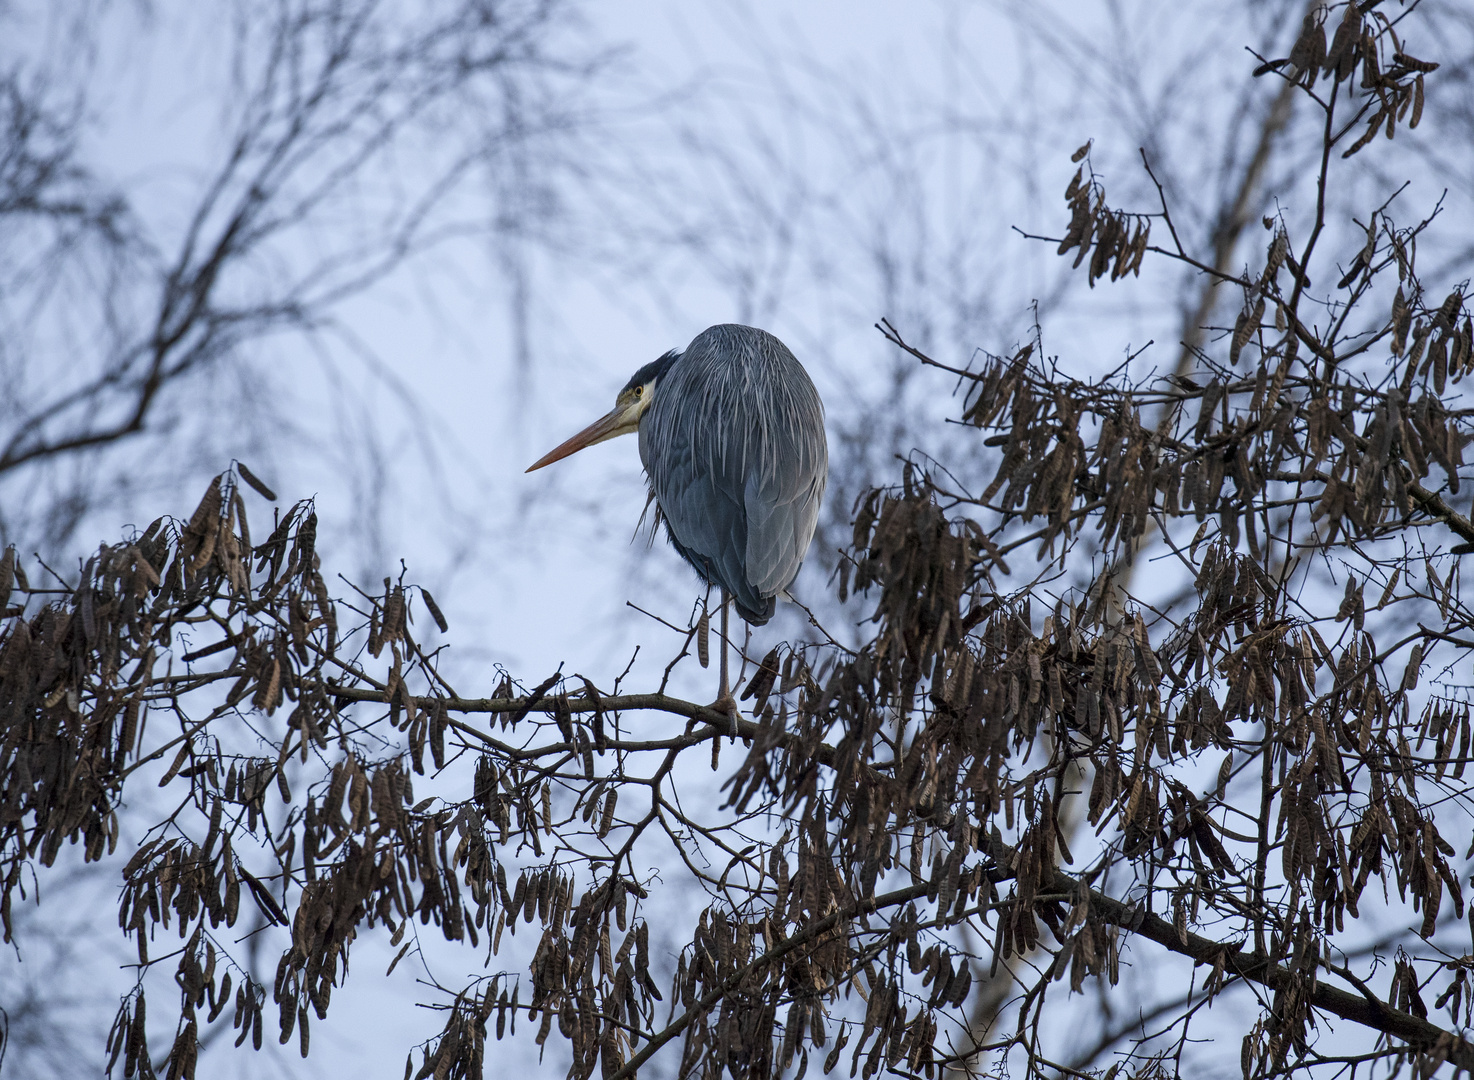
732, 437
733, 444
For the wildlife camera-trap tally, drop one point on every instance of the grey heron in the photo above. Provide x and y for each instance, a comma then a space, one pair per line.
732, 439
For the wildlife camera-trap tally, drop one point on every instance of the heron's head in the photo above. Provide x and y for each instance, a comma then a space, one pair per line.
623, 419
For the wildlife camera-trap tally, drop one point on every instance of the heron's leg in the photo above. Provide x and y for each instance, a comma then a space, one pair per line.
726, 689
725, 702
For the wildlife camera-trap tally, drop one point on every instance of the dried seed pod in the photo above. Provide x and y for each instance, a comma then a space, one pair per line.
438, 721
1340, 58
7, 575
1244, 328
1279, 247
1413, 63
1420, 340
563, 717
519, 894
1139, 245
1373, 126
1448, 311
1308, 53
1401, 321
394, 610
250, 478
375, 633
530, 896
606, 820
761, 684
288, 1018
1458, 357
207, 510
1088, 221
546, 886
434, 609
1074, 185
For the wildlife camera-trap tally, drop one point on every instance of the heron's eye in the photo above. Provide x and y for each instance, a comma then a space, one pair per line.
639, 391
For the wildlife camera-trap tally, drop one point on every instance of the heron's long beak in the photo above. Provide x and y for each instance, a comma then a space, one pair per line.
621, 420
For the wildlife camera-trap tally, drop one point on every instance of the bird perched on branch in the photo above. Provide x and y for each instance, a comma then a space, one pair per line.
732, 438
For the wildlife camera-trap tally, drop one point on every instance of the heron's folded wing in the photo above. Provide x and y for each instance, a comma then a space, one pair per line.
701, 498
782, 499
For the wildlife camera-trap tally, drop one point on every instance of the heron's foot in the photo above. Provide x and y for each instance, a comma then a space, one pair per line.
727, 706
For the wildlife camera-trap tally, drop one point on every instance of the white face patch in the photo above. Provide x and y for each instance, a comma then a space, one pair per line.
647, 397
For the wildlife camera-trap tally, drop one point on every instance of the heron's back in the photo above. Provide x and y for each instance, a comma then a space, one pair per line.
735, 451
